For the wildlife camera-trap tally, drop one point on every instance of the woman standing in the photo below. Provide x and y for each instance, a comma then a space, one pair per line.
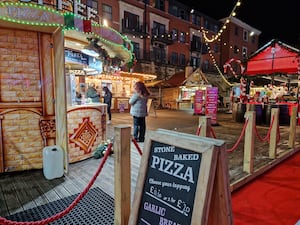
92, 93
107, 99
139, 111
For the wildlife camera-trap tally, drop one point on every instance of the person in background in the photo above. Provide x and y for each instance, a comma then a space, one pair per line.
92, 93
78, 98
221, 101
138, 102
107, 100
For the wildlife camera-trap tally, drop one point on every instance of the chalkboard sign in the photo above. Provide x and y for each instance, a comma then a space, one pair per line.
170, 185
174, 179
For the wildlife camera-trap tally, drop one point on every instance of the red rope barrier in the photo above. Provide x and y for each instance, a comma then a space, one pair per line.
267, 137
4, 221
198, 130
240, 138
212, 132
137, 146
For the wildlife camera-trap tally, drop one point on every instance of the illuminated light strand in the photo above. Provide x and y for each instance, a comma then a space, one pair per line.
17, 4
207, 40
34, 6
215, 37
124, 37
216, 65
49, 9
31, 23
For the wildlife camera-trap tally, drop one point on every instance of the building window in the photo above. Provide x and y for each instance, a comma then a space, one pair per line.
204, 48
182, 59
93, 4
136, 50
206, 24
196, 43
195, 62
245, 35
215, 28
244, 52
160, 4
182, 37
158, 29
159, 55
174, 35
216, 48
131, 21
236, 49
182, 14
174, 58
173, 10
205, 65
107, 12
196, 19
211, 25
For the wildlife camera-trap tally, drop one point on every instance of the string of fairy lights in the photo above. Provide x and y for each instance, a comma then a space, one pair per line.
216, 38
126, 46
204, 32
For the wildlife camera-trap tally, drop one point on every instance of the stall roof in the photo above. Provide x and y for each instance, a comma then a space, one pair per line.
175, 81
197, 78
142, 76
274, 57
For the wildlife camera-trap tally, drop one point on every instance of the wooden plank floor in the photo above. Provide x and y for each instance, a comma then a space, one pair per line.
20, 191
24, 190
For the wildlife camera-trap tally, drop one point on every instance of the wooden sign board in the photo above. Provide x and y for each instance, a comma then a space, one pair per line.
150, 107
180, 175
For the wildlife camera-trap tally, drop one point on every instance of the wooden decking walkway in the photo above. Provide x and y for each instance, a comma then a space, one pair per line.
24, 190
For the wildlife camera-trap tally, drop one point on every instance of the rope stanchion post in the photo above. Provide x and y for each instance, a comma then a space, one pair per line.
205, 124
274, 133
248, 165
122, 175
293, 125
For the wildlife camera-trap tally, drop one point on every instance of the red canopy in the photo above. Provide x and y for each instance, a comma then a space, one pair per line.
274, 57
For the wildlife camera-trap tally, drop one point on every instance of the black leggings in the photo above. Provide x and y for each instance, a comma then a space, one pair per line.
139, 128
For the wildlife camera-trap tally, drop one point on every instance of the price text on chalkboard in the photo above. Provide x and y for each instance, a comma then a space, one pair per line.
170, 185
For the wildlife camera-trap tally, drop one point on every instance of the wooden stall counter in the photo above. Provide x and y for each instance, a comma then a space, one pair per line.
86, 129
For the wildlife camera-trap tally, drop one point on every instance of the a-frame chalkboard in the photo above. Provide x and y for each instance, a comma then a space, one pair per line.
181, 179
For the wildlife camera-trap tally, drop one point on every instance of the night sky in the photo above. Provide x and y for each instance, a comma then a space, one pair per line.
275, 19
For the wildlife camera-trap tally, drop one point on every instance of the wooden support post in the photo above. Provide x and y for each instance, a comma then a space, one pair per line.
205, 126
249, 142
122, 174
293, 125
274, 133
59, 88
234, 110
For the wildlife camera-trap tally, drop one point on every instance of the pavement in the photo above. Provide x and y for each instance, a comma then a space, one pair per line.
226, 129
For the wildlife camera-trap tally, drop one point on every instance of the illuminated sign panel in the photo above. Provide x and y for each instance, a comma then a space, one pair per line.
68, 5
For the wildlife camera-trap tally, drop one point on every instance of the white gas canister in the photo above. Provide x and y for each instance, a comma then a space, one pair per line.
53, 162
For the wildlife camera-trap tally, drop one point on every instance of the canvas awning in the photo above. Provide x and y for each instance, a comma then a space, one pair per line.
274, 57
